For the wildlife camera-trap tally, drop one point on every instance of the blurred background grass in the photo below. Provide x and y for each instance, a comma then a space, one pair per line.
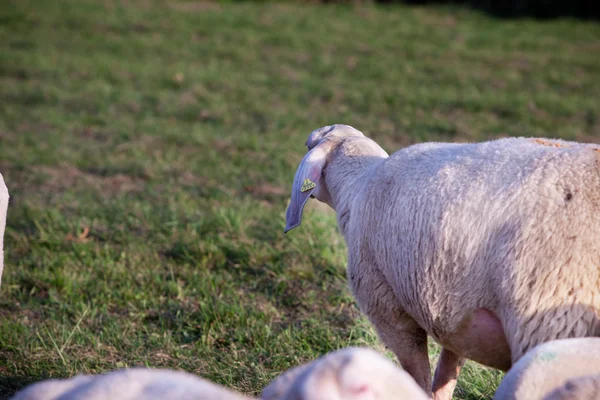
149, 148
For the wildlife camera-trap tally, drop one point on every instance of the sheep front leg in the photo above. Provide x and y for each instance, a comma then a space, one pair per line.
446, 374
396, 329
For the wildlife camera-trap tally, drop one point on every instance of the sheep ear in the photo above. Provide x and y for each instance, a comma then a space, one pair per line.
306, 181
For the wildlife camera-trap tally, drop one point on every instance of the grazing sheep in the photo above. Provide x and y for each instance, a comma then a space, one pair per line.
347, 374
559, 369
3, 211
129, 384
490, 248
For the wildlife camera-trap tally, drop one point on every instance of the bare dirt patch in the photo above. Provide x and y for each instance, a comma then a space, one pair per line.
194, 6
64, 177
266, 189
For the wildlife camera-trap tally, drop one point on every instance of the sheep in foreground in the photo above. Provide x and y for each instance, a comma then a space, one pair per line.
129, 384
559, 369
3, 212
490, 248
347, 374
582, 388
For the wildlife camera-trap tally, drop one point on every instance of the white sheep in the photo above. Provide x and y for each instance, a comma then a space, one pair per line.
347, 374
352, 373
3, 212
559, 369
490, 248
129, 384
585, 387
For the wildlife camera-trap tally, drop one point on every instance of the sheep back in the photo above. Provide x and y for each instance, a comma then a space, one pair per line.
125, 384
552, 370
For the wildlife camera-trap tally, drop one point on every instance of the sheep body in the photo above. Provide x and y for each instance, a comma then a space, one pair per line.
347, 374
490, 248
494, 225
559, 369
581, 388
3, 212
129, 384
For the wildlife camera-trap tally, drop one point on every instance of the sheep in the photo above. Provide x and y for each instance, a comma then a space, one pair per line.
3, 212
559, 369
489, 248
347, 374
585, 387
129, 384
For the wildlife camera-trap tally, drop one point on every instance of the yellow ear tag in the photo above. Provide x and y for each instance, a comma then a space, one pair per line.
307, 185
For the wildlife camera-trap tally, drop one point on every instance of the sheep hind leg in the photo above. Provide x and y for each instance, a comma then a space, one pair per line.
446, 374
395, 327
409, 343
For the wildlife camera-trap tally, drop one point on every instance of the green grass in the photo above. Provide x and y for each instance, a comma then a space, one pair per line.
149, 147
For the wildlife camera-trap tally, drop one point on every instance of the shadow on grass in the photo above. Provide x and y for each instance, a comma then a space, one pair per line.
540, 9
9, 385
506, 9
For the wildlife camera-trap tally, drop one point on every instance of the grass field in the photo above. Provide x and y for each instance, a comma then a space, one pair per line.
149, 148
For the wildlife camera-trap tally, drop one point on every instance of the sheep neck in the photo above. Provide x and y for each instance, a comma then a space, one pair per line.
345, 181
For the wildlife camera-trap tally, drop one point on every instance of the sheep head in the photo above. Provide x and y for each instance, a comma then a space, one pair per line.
330, 131
307, 181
